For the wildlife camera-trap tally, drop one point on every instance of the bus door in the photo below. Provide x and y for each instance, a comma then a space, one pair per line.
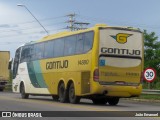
15, 69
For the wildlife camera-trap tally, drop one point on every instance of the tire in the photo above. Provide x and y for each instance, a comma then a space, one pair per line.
72, 97
22, 91
113, 101
62, 93
102, 101
55, 97
1, 89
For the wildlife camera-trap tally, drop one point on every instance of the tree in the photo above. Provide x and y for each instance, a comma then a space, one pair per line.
152, 54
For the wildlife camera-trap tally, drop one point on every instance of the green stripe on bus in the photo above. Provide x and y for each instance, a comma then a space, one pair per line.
39, 75
32, 75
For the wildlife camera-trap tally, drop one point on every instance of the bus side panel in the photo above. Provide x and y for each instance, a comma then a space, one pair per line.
76, 68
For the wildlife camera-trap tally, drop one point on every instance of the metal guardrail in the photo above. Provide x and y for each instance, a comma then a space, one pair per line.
8, 85
151, 92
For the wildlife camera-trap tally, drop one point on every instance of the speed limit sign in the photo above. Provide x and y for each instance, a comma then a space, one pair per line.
149, 74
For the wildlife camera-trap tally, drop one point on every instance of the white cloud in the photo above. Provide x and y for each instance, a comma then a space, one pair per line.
15, 28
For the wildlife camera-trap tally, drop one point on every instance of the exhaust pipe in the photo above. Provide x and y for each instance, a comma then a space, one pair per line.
105, 92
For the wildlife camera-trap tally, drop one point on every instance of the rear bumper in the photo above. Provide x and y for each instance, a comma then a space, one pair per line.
117, 90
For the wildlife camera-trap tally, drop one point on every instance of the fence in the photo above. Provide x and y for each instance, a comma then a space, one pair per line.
151, 92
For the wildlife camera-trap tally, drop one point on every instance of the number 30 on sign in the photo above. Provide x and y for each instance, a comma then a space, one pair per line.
149, 74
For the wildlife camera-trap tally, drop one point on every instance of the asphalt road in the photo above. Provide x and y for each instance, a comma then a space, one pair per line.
13, 102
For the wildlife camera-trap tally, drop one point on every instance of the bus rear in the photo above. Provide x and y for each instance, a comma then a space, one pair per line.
121, 61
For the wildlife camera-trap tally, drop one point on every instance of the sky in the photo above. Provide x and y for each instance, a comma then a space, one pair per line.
18, 26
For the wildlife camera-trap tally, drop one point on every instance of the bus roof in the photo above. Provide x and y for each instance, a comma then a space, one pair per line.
64, 34
68, 33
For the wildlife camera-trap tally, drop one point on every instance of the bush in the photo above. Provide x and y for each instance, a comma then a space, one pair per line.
157, 86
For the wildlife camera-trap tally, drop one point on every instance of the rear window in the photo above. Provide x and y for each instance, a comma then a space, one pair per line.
120, 48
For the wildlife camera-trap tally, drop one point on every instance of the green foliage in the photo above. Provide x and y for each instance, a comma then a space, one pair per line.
149, 97
152, 55
157, 86
145, 85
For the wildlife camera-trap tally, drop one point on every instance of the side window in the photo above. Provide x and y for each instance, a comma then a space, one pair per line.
80, 44
88, 41
22, 55
48, 46
16, 62
25, 54
58, 47
31, 55
39, 50
70, 45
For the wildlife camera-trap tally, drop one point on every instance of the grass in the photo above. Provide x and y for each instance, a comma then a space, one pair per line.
148, 97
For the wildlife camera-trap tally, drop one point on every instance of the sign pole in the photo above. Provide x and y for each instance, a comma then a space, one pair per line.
149, 85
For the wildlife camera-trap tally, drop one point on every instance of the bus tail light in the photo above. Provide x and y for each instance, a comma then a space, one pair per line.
96, 75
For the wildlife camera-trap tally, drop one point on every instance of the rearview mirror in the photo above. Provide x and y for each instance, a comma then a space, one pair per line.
10, 64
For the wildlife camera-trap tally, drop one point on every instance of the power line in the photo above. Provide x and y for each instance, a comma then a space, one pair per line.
40, 32
87, 18
75, 25
17, 42
81, 24
45, 19
17, 30
118, 22
72, 22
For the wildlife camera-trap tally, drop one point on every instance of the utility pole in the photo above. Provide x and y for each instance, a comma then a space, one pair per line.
73, 25
71, 21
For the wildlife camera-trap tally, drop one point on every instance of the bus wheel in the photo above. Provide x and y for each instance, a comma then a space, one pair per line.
55, 97
72, 97
1, 89
22, 91
101, 101
113, 101
62, 94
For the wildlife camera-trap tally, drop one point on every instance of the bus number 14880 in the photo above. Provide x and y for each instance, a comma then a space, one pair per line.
83, 62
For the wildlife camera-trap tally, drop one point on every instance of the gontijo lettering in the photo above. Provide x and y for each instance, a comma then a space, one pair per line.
120, 51
57, 64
